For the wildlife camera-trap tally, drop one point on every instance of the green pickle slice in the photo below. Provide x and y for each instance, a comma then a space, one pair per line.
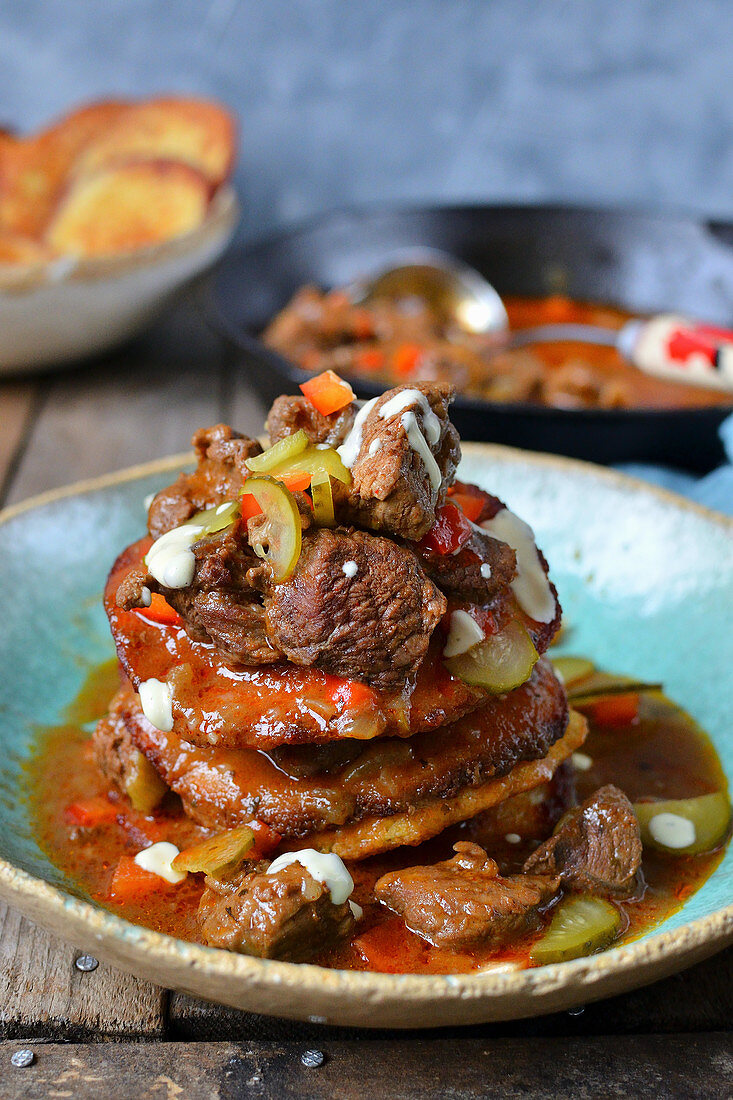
707, 816
580, 925
500, 663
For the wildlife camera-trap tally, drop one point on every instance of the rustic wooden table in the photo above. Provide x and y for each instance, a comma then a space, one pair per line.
104, 1033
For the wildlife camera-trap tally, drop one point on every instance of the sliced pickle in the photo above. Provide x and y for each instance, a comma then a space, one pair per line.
322, 496
708, 815
215, 519
572, 669
500, 663
218, 855
279, 456
580, 925
600, 684
316, 460
143, 785
277, 539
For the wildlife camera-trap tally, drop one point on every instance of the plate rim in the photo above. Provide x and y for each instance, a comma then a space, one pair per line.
52, 906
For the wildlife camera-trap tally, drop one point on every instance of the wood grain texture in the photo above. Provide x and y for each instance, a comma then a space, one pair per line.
42, 994
682, 1067
139, 404
17, 401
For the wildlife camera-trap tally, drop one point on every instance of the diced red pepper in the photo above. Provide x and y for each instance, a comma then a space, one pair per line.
160, 611
248, 506
91, 812
266, 840
449, 533
352, 693
614, 710
327, 392
471, 506
297, 482
133, 883
406, 359
371, 359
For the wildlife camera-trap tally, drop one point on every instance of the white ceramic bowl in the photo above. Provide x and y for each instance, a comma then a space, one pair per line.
54, 313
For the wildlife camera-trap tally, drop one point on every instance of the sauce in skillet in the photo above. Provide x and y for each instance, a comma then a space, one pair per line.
395, 343
661, 754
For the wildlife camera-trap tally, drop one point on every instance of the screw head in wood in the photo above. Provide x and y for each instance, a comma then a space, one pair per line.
86, 963
23, 1058
313, 1058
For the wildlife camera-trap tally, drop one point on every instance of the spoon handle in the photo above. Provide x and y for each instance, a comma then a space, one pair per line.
680, 349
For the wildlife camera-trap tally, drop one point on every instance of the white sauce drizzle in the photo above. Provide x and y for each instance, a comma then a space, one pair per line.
582, 761
419, 444
375, 445
405, 400
485, 570
530, 586
158, 859
170, 558
156, 699
326, 868
348, 452
672, 830
464, 633
350, 568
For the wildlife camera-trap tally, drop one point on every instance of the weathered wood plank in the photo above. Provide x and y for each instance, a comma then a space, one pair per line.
17, 401
43, 995
699, 999
244, 409
139, 404
679, 1067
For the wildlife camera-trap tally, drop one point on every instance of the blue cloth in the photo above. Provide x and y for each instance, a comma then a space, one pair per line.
715, 490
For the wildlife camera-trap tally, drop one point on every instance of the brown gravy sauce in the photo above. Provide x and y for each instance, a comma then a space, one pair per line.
663, 753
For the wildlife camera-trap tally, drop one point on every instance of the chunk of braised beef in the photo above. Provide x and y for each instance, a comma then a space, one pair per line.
287, 915
223, 603
292, 414
357, 605
464, 902
219, 475
392, 490
596, 848
477, 573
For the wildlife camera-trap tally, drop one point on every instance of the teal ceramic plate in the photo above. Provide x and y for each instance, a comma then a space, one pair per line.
646, 581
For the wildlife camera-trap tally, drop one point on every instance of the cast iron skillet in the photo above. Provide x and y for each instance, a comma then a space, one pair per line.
640, 262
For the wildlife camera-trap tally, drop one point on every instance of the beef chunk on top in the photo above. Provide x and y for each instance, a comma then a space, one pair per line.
407, 455
287, 915
596, 847
477, 573
291, 414
357, 605
464, 902
219, 476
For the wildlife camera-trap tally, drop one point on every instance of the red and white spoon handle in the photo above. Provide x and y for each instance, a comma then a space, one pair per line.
679, 349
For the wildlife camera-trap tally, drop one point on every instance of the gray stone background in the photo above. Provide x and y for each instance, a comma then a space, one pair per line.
345, 101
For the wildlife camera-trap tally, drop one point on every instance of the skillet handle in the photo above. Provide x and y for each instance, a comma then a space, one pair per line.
681, 350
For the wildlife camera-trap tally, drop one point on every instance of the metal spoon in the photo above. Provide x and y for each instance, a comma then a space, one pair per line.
667, 345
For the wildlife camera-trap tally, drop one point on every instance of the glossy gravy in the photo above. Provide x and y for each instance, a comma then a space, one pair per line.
662, 753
